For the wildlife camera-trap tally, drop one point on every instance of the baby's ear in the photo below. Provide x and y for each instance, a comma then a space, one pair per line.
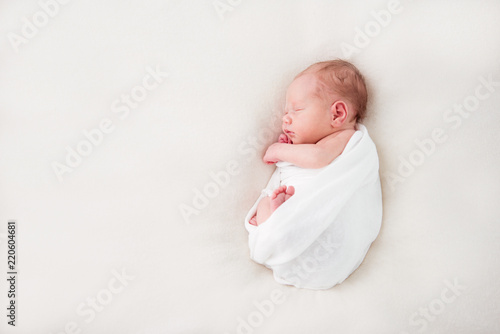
339, 112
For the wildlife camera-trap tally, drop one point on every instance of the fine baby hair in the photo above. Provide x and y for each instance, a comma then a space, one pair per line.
340, 78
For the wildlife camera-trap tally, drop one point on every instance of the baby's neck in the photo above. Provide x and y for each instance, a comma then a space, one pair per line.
346, 127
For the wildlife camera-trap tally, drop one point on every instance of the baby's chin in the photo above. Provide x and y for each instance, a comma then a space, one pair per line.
290, 140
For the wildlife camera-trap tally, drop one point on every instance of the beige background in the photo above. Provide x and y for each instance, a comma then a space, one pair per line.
120, 209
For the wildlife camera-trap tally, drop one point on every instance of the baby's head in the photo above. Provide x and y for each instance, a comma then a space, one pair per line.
324, 98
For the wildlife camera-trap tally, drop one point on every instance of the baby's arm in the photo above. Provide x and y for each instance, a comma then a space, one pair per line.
316, 155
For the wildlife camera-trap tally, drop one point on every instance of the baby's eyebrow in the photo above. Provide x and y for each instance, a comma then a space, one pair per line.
293, 104
298, 106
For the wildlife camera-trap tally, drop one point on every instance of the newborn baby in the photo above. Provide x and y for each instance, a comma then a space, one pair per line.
324, 104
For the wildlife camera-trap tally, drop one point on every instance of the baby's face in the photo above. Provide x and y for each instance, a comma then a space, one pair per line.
307, 117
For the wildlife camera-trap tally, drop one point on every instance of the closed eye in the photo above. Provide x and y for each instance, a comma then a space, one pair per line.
294, 110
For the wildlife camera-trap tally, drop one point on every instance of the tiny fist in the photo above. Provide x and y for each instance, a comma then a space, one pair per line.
283, 138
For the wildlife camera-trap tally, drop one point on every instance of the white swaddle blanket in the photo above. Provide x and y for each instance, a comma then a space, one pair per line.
321, 234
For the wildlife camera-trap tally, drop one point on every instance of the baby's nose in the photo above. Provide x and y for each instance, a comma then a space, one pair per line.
287, 119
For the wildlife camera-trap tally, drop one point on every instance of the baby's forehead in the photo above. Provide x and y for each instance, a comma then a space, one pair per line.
302, 86
302, 89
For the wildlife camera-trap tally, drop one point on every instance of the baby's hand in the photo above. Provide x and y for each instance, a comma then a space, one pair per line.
284, 139
270, 157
